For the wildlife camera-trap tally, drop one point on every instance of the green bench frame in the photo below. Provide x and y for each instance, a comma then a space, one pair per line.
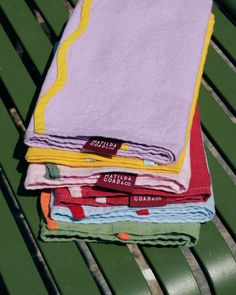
30, 266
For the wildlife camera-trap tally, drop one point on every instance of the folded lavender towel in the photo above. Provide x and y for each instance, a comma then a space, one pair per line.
125, 70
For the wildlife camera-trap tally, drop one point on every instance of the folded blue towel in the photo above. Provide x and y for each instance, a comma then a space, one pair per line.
186, 212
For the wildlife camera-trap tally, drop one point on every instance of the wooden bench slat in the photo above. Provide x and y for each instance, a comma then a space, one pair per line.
221, 77
16, 262
217, 260
224, 193
218, 125
224, 33
28, 31
15, 77
64, 260
171, 267
120, 269
54, 12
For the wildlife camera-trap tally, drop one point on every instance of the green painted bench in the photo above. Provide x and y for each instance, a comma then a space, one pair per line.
29, 31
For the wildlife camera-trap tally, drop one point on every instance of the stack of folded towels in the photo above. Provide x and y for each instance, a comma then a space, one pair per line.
115, 141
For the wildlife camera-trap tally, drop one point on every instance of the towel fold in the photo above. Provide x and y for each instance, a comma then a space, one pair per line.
169, 234
149, 184
186, 212
165, 234
199, 187
123, 73
41, 176
64, 197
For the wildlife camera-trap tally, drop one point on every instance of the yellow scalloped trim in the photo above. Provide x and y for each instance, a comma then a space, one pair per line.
197, 85
39, 114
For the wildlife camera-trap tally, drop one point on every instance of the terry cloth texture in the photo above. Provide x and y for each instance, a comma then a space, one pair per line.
110, 78
186, 212
166, 234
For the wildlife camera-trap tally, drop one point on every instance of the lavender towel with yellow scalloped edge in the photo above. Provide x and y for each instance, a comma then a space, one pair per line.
128, 70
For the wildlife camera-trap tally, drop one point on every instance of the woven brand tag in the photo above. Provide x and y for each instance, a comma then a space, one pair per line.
123, 182
102, 146
146, 200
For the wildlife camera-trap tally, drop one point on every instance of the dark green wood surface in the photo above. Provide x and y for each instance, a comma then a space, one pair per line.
15, 261
119, 268
224, 194
28, 31
170, 266
218, 126
216, 260
62, 258
215, 69
224, 33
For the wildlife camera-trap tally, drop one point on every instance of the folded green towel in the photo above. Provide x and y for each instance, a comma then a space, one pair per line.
171, 234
